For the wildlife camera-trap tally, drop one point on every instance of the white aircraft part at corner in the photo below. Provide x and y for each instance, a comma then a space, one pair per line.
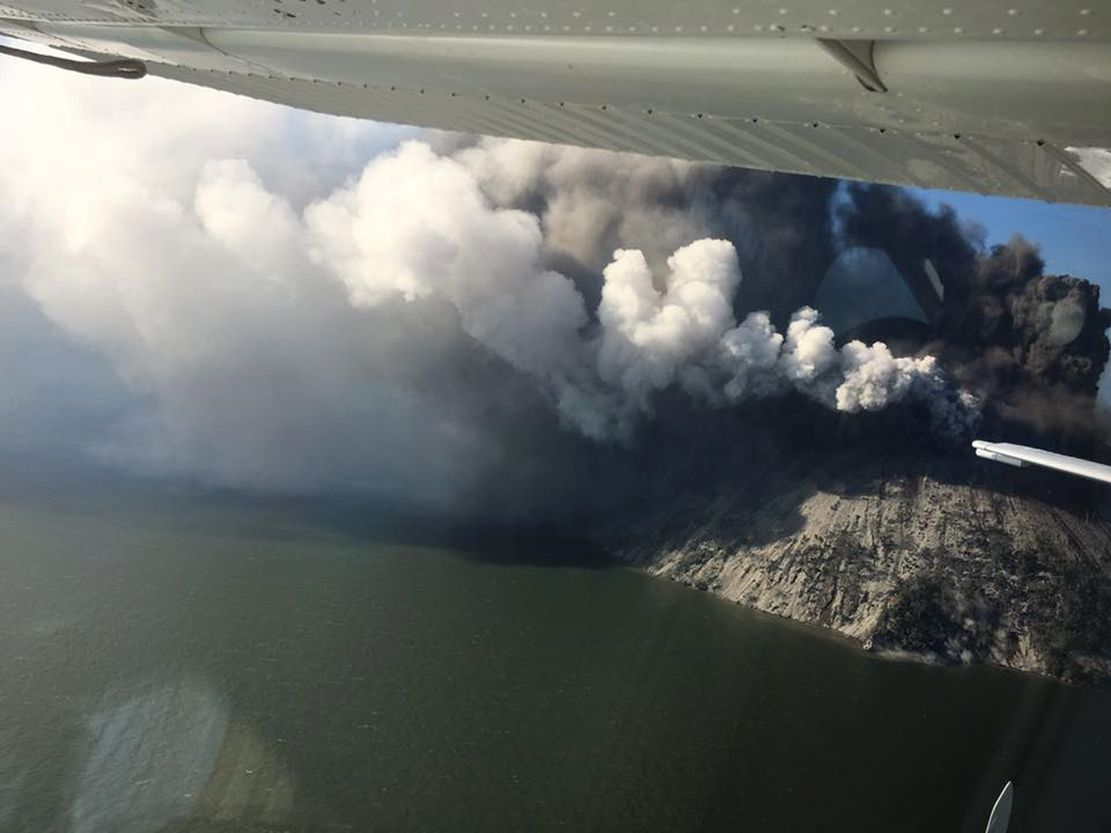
1021, 456
996, 96
1000, 817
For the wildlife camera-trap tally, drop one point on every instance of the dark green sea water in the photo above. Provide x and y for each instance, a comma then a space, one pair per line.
189, 666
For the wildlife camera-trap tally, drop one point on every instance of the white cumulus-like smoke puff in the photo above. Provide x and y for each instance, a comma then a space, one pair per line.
417, 226
686, 334
235, 316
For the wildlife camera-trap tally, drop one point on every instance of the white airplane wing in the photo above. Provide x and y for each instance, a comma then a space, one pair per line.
995, 96
1021, 455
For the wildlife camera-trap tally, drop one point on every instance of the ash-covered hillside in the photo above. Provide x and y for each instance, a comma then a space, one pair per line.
878, 527
825, 472
945, 557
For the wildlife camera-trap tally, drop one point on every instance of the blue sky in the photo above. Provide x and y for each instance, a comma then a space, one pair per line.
1074, 239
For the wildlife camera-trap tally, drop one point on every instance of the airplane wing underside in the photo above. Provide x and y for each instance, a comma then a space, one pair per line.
998, 96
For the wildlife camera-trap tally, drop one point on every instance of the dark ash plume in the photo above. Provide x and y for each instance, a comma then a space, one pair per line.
446, 315
1031, 346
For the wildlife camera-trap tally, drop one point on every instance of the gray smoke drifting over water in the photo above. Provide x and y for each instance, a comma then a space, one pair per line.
472, 323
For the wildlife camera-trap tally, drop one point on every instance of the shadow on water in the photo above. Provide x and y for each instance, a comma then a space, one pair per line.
139, 502
486, 543
374, 524
180, 673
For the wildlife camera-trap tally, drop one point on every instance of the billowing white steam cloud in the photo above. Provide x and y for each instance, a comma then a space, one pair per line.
686, 335
652, 339
278, 329
418, 226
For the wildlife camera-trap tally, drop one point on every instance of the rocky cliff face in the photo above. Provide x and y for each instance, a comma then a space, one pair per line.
945, 559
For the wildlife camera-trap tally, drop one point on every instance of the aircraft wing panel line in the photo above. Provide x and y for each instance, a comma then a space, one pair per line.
1072, 165
815, 150
846, 20
1011, 172
924, 163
